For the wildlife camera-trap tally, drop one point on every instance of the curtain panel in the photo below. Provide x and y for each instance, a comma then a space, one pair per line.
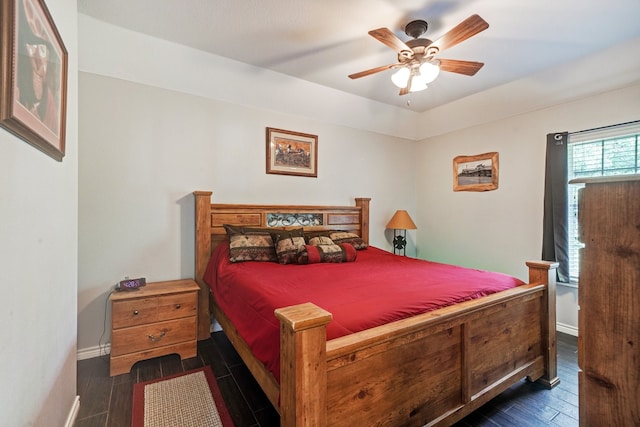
555, 239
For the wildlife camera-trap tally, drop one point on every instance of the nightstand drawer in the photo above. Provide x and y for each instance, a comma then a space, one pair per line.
145, 337
140, 311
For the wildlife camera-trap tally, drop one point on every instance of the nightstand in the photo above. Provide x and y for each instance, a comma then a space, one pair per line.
157, 319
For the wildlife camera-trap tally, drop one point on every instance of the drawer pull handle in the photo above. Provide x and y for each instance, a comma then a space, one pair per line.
158, 338
135, 312
178, 306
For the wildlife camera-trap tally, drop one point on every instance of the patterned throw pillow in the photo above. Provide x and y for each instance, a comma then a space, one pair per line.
347, 237
252, 246
320, 240
279, 233
288, 248
308, 235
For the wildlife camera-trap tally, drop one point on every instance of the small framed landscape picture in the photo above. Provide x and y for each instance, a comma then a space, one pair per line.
292, 153
475, 173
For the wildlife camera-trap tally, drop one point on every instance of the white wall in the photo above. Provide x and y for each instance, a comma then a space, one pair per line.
499, 230
145, 149
38, 264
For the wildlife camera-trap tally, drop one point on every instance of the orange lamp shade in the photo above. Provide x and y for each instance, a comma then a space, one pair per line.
401, 221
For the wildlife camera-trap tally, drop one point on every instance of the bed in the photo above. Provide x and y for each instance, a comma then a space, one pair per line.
432, 368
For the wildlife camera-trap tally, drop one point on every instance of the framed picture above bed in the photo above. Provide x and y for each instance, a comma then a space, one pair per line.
475, 173
292, 153
33, 73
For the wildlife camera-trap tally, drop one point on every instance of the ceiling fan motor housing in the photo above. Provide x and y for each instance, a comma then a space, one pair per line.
416, 28
419, 50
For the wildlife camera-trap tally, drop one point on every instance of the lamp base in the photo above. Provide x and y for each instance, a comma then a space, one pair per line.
399, 242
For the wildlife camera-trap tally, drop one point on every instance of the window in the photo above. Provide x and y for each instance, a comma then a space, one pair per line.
607, 151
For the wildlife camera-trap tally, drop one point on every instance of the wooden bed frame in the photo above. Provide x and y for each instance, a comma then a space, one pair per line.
431, 369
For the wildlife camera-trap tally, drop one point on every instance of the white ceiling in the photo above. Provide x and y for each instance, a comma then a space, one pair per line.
323, 41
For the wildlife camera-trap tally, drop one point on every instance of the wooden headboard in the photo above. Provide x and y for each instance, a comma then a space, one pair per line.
210, 231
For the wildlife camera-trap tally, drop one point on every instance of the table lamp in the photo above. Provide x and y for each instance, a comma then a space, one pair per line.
400, 223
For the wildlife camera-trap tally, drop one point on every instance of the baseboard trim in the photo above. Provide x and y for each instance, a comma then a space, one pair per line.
567, 329
96, 351
73, 413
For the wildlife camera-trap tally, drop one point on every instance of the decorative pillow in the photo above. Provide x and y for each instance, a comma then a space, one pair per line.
320, 240
288, 248
308, 235
312, 254
252, 246
279, 233
347, 237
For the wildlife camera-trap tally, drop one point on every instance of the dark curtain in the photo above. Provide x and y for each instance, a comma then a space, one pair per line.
555, 240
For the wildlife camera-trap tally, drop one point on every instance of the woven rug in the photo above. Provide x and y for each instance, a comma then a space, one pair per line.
189, 399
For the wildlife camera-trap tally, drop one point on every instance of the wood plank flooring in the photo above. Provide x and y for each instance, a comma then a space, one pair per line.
106, 401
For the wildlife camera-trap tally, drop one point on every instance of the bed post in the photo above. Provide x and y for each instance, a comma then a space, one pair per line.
363, 204
545, 272
303, 370
203, 251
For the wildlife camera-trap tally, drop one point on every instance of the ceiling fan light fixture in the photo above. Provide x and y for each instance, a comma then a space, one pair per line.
429, 71
401, 77
417, 84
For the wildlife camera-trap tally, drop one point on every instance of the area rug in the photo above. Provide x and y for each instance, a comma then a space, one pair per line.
189, 399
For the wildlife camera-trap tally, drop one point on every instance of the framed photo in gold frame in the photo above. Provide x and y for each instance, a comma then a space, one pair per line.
33, 74
475, 173
292, 153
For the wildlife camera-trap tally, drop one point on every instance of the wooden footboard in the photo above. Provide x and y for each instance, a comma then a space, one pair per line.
431, 369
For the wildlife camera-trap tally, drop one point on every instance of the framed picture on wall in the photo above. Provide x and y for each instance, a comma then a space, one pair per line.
292, 153
475, 173
33, 73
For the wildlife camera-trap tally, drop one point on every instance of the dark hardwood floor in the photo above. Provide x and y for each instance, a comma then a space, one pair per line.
106, 401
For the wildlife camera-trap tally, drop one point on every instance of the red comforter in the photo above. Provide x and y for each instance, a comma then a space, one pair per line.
378, 288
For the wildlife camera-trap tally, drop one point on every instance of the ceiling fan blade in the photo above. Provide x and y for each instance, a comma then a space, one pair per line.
464, 30
386, 36
371, 71
468, 68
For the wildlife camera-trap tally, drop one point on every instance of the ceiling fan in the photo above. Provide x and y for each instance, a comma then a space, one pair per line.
417, 64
